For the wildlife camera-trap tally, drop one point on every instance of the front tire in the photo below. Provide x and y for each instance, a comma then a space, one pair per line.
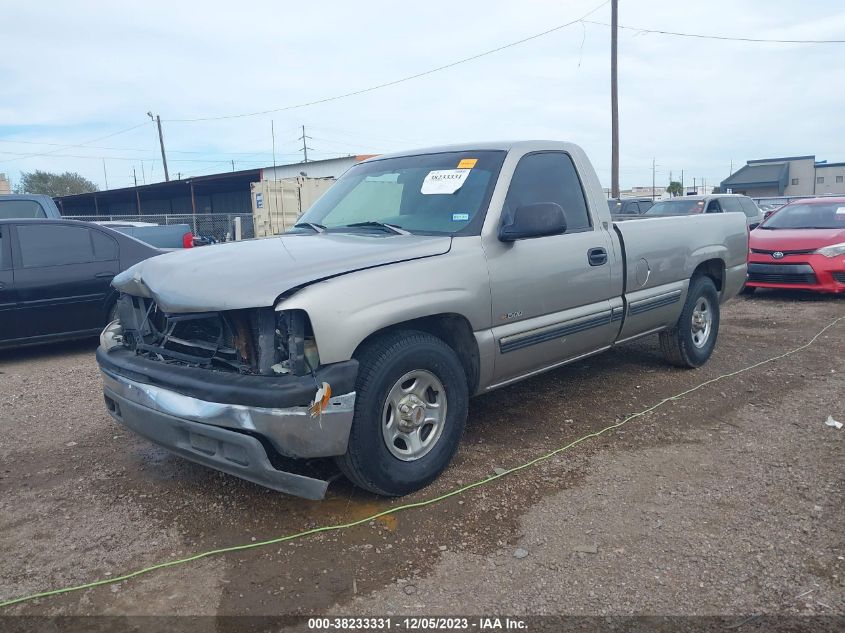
690, 343
410, 411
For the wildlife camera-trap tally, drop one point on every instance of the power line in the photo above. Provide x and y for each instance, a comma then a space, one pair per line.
395, 81
126, 149
718, 37
148, 158
100, 138
369, 137
132, 149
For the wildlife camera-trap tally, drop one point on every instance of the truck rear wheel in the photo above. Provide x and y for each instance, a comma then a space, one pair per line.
690, 343
410, 411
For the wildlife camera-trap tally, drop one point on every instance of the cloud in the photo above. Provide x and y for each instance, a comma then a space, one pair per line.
73, 73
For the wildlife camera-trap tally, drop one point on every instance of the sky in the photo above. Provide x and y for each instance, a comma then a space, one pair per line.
75, 77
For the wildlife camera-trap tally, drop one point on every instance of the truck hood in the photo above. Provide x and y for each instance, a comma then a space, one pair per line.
254, 273
794, 239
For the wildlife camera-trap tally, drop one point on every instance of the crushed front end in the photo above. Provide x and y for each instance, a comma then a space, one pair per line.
233, 390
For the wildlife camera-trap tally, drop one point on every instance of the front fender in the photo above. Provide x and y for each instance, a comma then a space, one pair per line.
346, 310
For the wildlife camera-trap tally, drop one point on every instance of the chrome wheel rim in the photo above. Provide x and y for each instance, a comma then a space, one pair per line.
414, 415
702, 322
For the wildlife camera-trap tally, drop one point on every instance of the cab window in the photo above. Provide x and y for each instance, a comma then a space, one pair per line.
749, 207
550, 177
731, 205
714, 207
19, 209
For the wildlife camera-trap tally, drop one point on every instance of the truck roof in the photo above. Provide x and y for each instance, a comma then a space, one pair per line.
525, 146
25, 196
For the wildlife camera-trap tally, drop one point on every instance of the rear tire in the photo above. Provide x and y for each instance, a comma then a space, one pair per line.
690, 343
410, 411
748, 290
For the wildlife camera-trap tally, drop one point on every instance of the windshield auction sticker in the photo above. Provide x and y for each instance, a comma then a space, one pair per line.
444, 181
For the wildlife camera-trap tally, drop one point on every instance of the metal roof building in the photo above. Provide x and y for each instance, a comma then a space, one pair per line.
227, 192
787, 176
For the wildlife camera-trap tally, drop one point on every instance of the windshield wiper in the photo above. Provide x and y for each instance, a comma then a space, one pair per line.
393, 228
317, 228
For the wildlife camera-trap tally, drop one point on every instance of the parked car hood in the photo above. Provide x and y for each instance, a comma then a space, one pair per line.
794, 239
253, 273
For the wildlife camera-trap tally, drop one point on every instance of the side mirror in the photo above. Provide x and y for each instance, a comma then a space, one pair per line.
534, 220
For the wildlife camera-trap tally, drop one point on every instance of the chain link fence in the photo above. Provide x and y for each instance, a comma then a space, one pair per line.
219, 227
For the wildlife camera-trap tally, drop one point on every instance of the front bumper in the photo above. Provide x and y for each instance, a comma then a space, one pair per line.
798, 272
222, 433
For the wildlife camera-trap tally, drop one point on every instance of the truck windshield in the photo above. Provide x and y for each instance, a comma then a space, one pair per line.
438, 194
16, 209
676, 207
807, 216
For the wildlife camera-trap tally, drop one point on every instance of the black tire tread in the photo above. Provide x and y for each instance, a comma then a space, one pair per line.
373, 355
671, 347
672, 342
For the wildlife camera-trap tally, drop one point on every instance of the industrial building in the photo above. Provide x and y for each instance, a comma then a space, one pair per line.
224, 193
788, 176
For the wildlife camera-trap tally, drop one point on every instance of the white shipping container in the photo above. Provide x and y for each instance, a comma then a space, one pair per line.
277, 204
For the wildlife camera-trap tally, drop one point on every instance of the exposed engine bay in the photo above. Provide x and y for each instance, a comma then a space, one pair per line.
258, 341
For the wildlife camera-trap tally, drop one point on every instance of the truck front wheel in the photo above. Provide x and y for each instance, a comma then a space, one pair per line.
410, 411
690, 343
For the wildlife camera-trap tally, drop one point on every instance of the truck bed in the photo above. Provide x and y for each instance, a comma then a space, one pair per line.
659, 255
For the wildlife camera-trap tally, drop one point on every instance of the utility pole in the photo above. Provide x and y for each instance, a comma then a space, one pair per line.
614, 102
683, 186
652, 180
270, 209
304, 146
137, 195
694, 188
157, 120
105, 175
233, 165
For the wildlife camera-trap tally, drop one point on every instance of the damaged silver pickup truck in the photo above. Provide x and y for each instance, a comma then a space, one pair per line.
418, 280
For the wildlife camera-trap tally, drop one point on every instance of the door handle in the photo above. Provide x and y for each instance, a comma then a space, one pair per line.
597, 256
103, 275
2, 285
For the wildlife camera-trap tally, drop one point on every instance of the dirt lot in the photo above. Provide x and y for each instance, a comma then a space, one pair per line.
727, 501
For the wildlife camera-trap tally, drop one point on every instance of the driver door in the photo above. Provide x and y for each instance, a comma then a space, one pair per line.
551, 295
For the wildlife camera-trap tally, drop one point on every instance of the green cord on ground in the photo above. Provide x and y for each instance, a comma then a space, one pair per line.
417, 504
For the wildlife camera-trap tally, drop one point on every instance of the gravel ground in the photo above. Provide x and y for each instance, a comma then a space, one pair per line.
727, 501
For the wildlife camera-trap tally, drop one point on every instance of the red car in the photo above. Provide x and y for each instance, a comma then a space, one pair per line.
801, 246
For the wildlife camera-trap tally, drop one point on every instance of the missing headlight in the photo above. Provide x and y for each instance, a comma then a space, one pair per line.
295, 343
